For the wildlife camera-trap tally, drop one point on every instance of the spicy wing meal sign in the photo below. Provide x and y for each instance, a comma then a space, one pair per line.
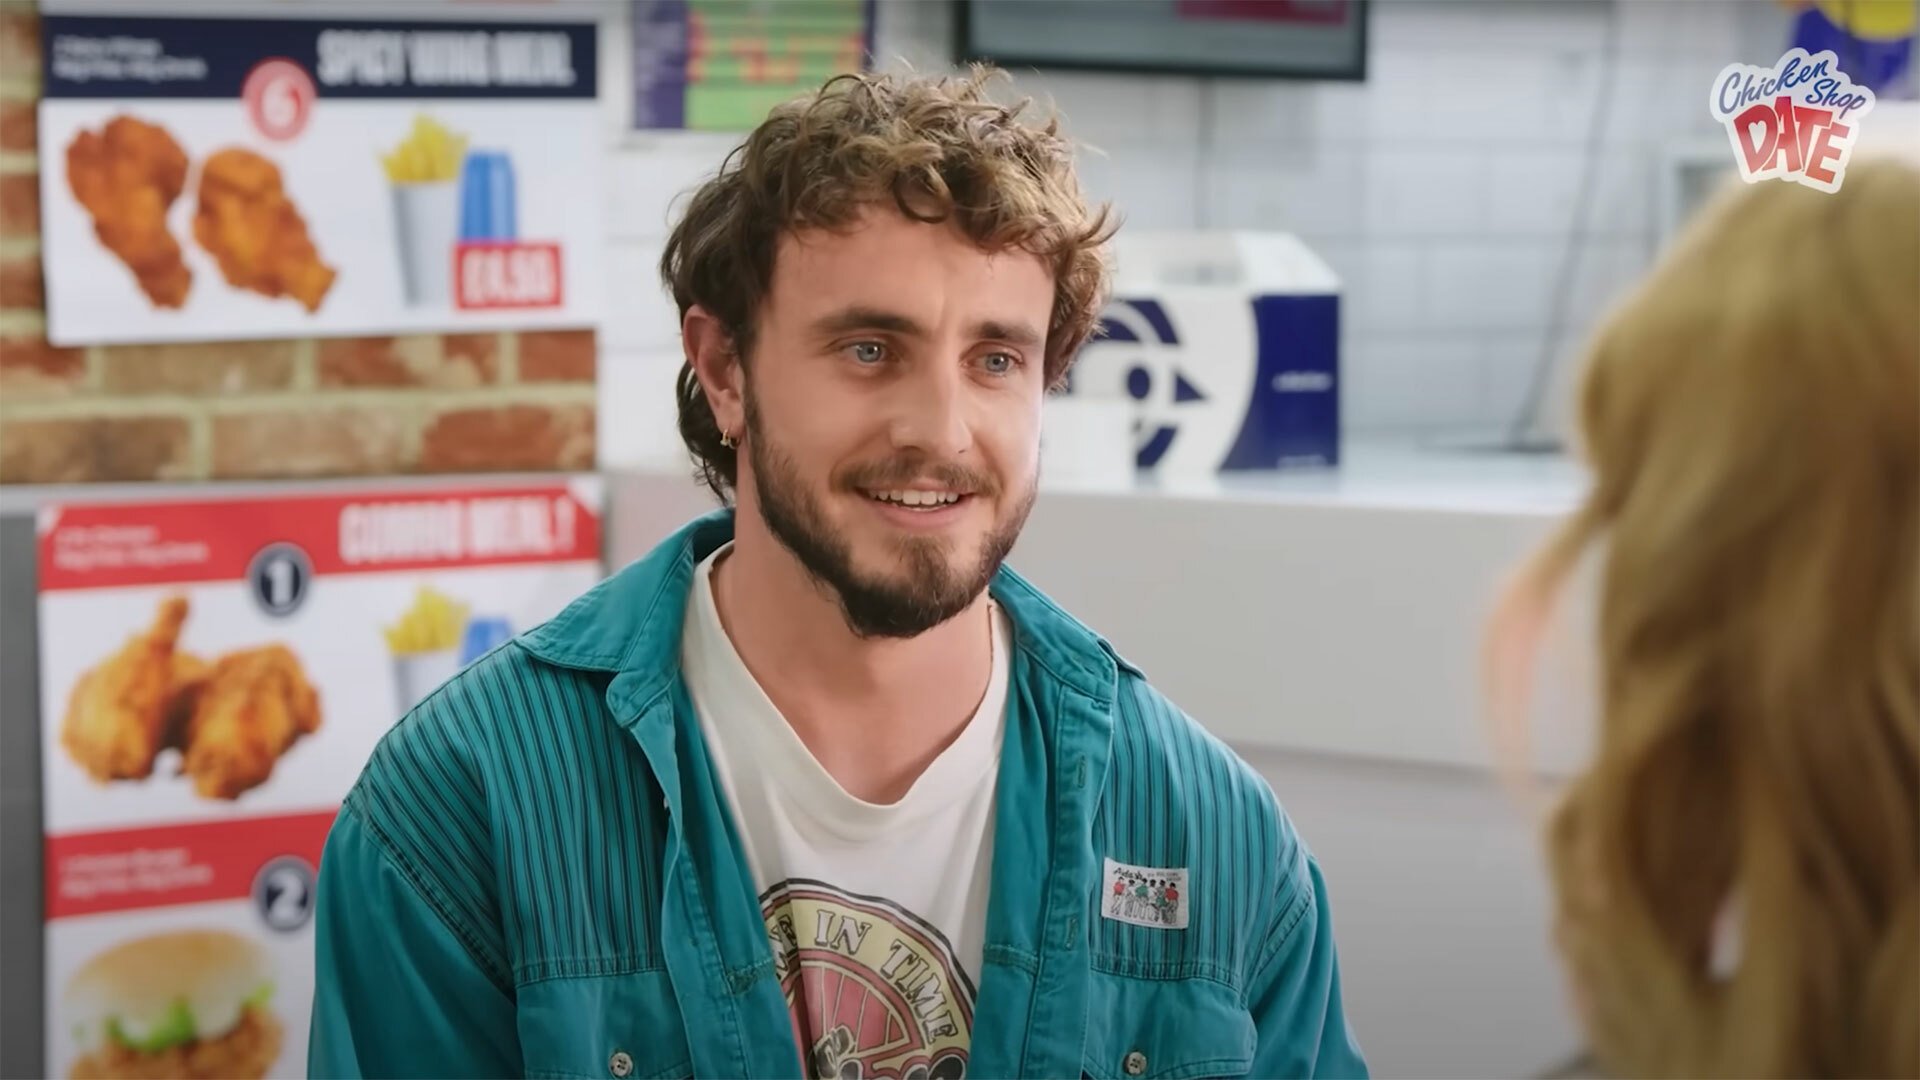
225, 178
213, 677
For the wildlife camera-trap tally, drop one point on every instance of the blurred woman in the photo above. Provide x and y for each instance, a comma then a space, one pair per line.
1738, 869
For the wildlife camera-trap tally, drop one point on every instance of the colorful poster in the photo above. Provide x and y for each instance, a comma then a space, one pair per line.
1313, 39
220, 178
1872, 39
719, 65
214, 676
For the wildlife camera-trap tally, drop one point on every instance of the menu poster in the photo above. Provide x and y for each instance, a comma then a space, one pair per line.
720, 65
274, 177
215, 676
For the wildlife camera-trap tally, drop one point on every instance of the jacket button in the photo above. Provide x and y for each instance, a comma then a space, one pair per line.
1135, 1064
620, 1065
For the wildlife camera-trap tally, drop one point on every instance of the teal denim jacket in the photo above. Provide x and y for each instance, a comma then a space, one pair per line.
537, 874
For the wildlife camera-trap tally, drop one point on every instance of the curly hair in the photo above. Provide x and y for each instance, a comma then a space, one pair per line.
934, 148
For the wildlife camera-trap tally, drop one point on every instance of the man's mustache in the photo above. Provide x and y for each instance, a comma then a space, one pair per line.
907, 471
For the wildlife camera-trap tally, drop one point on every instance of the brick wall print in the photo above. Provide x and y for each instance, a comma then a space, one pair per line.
261, 409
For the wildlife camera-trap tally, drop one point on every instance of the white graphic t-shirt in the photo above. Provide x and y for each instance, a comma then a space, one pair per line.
877, 914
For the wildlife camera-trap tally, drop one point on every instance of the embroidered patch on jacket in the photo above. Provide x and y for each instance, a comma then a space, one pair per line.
1145, 896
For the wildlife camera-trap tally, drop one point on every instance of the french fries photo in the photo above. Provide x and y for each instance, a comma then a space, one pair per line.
433, 623
425, 644
430, 154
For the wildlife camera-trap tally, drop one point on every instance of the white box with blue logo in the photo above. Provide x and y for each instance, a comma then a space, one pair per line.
1228, 346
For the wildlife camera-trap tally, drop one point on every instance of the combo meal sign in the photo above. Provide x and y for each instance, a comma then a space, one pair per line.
214, 675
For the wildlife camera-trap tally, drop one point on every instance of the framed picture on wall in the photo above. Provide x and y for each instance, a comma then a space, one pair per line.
720, 65
1287, 39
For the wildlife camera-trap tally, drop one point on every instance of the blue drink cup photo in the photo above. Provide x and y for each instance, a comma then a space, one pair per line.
485, 633
488, 204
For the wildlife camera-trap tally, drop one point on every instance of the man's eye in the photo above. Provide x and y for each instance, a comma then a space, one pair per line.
999, 363
867, 352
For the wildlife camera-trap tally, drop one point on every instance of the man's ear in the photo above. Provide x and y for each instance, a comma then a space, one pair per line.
711, 351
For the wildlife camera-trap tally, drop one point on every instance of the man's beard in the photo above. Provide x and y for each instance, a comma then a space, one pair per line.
929, 591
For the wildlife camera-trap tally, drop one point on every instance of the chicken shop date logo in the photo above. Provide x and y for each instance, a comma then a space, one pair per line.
1795, 121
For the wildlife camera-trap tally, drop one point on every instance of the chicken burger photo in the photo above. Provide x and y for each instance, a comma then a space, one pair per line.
192, 1004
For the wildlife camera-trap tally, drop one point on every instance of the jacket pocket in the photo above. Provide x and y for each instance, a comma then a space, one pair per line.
603, 1027
1165, 1029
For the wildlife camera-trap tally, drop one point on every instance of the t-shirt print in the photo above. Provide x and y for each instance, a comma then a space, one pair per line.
874, 990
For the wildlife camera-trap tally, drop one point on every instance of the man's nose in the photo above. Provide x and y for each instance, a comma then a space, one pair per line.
930, 412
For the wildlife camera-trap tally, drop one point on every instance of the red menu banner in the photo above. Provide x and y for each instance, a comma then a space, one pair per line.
88, 873
92, 547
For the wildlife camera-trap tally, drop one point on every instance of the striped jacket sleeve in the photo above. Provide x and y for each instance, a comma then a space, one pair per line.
1295, 992
411, 976
396, 990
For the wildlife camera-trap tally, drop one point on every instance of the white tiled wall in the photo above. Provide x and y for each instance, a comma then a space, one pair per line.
1446, 189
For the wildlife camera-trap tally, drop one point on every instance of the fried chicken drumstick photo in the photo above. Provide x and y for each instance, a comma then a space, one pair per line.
118, 717
252, 708
246, 221
127, 176
231, 719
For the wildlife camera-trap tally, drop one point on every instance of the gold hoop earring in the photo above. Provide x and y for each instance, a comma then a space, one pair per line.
726, 441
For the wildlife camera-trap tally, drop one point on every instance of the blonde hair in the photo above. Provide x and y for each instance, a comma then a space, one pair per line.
1751, 416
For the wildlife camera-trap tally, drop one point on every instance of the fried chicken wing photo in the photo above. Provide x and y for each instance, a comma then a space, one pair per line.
190, 674
126, 176
246, 221
118, 715
253, 706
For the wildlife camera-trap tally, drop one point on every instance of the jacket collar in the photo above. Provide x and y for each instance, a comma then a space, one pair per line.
629, 624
